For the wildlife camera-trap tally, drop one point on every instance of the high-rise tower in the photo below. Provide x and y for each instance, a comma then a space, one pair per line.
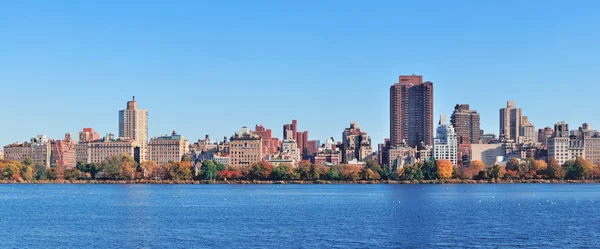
133, 124
411, 111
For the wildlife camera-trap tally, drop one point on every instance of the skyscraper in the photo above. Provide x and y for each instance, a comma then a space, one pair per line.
466, 124
411, 111
133, 124
445, 144
510, 122
290, 127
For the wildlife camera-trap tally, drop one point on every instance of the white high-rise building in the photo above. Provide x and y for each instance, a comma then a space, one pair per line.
133, 124
445, 145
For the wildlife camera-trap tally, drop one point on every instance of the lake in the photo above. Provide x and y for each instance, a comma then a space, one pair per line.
299, 216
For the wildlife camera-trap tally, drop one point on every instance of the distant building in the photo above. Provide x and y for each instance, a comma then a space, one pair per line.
313, 147
246, 148
270, 144
327, 158
466, 124
165, 149
445, 145
401, 156
63, 152
411, 111
289, 153
544, 134
563, 147
356, 144
302, 142
488, 138
1, 155
133, 124
489, 154
510, 122
529, 134
109, 146
293, 127
205, 145
225, 160
38, 149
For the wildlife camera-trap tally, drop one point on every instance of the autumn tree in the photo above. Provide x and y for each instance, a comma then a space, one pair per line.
578, 169
555, 170
118, 167
513, 164
475, 167
540, 165
496, 172
444, 169
333, 173
260, 171
149, 169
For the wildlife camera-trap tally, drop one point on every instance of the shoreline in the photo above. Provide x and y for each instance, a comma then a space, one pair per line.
299, 182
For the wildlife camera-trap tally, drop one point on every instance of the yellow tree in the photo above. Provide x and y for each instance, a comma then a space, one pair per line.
540, 165
444, 168
149, 169
476, 166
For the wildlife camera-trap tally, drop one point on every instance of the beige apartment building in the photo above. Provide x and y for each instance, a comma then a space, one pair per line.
38, 149
489, 154
133, 124
166, 148
246, 148
99, 150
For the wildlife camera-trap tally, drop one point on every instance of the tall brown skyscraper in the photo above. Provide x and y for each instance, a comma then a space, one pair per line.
466, 124
411, 111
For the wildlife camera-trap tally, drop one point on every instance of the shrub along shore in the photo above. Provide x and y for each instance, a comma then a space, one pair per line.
122, 169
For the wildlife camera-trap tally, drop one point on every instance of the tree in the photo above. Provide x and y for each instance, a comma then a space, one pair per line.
526, 166
430, 171
186, 158
444, 169
27, 172
118, 167
260, 171
413, 172
73, 174
283, 172
496, 172
208, 170
41, 172
369, 174
475, 167
314, 172
513, 164
554, 170
149, 169
578, 169
180, 171
304, 170
540, 165
27, 161
333, 174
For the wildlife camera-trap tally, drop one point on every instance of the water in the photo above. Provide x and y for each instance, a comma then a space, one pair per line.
299, 216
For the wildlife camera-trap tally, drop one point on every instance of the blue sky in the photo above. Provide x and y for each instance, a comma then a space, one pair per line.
213, 66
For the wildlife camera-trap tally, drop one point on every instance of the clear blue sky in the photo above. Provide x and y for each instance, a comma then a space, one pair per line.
213, 66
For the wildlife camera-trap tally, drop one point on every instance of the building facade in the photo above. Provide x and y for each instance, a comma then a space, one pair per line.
246, 148
133, 124
356, 144
489, 154
529, 135
109, 146
445, 145
167, 148
466, 124
510, 122
64, 152
411, 111
38, 149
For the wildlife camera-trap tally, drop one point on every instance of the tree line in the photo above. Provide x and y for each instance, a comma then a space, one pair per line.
123, 167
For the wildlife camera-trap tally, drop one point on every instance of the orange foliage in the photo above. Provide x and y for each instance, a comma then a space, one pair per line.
444, 168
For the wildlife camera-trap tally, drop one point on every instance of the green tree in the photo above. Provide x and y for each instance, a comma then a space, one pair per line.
208, 170
118, 167
333, 174
283, 172
413, 172
27, 161
496, 172
578, 169
314, 172
41, 172
430, 170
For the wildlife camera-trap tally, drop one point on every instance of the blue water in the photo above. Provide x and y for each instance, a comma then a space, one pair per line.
299, 216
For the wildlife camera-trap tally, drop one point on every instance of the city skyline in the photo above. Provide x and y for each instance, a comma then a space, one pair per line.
66, 75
